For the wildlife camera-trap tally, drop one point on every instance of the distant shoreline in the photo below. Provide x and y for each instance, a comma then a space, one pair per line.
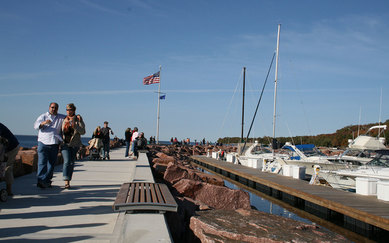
29, 141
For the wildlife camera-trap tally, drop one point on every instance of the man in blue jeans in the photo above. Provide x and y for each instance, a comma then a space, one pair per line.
49, 125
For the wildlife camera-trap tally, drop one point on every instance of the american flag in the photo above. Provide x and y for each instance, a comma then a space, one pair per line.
152, 79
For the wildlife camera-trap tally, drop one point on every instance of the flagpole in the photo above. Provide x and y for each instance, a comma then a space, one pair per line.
159, 99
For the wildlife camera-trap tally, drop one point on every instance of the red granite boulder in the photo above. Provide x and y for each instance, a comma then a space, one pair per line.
161, 154
164, 160
218, 197
255, 226
166, 150
160, 168
211, 179
29, 159
18, 166
175, 173
188, 188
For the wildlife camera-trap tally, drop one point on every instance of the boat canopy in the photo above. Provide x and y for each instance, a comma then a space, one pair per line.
301, 147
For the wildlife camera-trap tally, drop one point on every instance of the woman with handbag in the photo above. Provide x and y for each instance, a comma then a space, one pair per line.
72, 128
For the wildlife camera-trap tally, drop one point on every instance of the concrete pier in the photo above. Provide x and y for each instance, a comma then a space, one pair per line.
84, 213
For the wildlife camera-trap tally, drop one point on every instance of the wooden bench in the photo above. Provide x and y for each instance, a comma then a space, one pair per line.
144, 197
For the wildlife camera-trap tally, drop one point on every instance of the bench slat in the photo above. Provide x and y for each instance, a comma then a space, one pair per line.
148, 196
136, 196
169, 199
130, 193
154, 196
122, 194
159, 195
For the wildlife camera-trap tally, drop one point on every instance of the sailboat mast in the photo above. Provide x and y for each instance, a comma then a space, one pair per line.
379, 120
275, 87
244, 88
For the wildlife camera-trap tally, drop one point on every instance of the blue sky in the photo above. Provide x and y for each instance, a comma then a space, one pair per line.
332, 64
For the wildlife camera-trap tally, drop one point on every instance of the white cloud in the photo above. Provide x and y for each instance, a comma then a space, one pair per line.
102, 8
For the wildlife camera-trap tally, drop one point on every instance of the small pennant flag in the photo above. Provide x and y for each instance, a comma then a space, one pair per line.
162, 97
152, 79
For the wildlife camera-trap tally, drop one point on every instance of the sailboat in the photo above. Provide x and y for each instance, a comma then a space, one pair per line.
257, 155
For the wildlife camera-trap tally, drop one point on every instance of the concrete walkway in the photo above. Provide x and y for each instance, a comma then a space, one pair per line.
84, 213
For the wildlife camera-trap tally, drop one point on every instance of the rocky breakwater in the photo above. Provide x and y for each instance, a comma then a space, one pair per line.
208, 211
26, 161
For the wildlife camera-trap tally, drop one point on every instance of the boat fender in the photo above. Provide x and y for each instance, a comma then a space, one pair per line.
315, 177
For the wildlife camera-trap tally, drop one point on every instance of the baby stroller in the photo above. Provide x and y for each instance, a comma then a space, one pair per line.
95, 145
3, 165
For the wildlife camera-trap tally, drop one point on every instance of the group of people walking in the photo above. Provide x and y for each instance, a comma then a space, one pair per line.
56, 129
135, 141
61, 132
101, 140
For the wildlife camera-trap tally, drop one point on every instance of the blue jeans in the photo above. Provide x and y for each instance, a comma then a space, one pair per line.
69, 157
47, 157
105, 150
127, 148
132, 145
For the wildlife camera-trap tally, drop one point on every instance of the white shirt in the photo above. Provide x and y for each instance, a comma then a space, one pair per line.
51, 133
134, 136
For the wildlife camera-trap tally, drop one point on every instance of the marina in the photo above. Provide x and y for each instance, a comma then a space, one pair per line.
365, 215
303, 167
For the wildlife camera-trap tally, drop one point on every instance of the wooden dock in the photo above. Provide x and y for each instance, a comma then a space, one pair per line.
356, 212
